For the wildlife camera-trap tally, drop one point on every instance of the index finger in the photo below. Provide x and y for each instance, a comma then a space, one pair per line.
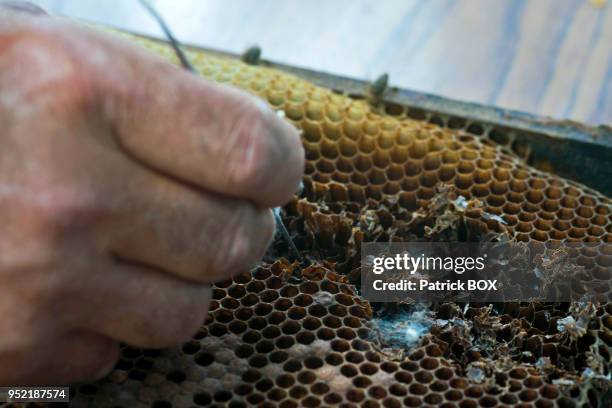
209, 135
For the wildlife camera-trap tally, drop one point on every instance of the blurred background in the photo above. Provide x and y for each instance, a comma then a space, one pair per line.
548, 57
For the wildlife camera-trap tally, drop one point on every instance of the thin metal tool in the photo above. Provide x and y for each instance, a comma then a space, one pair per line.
186, 63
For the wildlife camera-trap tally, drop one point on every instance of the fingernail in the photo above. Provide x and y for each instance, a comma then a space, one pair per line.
105, 370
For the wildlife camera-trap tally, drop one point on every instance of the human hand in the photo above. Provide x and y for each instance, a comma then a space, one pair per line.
127, 185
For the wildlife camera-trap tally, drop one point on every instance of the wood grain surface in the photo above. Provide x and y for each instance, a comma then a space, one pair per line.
550, 57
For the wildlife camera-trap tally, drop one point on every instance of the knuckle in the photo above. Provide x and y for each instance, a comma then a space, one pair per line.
235, 248
38, 68
248, 151
68, 210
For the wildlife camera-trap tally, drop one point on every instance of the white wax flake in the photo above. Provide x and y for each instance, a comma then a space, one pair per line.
563, 324
493, 217
405, 329
563, 381
475, 374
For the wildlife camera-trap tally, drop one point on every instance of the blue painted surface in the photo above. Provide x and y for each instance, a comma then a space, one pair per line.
511, 36
599, 25
552, 54
547, 57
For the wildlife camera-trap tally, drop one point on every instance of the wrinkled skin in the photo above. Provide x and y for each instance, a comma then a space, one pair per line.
127, 185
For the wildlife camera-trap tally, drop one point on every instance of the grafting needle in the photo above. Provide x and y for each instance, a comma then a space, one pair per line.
186, 63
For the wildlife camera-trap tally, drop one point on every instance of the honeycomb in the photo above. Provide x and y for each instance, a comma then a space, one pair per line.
291, 334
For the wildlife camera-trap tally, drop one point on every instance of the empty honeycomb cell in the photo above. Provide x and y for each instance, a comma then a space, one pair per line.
429, 363
348, 149
565, 214
463, 181
584, 212
332, 321
412, 168
572, 191
488, 401
403, 377
528, 395
468, 403
469, 155
362, 164
367, 145
255, 398
537, 184
418, 149
554, 194
362, 382
251, 337
518, 186
550, 205
305, 337
328, 149
296, 313
428, 179
424, 377
371, 128
276, 317
530, 207
348, 370
542, 224
354, 357
485, 164
332, 131
351, 129
511, 208
479, 191
534, 196
417, 389
465, 167
569, 202
599, 220
230, 303
431, 161
376, 177
319, 388
474, 392
294, 111
386, 140
355, 395
596, 231
577, 232
325, 166
557, 235
412, 401
580, 222
546, 216
518, 373
450, 157
496, 200
312, 134
306, 377
481, 176
459, 383
311, 323
338, 190
446, 173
